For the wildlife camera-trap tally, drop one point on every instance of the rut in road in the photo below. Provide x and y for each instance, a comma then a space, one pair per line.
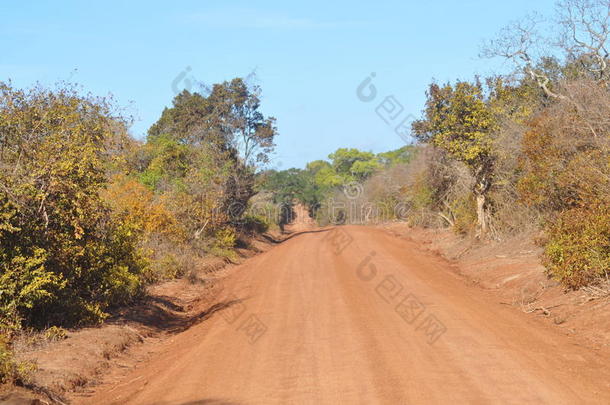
355, 315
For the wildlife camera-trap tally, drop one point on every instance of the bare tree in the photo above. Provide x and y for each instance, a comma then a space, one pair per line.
579, 37
584, 29
520, 42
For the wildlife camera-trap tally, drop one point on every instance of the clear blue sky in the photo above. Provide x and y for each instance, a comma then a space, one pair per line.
309, 57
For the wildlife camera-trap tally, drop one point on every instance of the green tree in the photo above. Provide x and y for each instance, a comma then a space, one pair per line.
228, 117
459, 120
353, 164
401, 155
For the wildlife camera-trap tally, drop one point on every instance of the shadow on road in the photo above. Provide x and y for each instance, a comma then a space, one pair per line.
210, 401
295, 234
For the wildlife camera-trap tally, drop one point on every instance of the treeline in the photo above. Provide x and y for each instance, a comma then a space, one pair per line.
321, 180
498, 156
89, 216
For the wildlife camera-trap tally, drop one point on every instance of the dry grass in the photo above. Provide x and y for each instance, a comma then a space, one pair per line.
596, 292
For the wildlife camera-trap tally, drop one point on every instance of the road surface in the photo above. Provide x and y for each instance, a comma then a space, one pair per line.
353, 315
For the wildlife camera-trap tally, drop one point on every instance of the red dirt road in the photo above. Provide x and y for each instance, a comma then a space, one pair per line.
354, 315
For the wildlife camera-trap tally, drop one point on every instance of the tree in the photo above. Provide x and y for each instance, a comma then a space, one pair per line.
228, 117
187, 121
324, 175
353, 164
459, 120
579, 43
235, 109
401, 155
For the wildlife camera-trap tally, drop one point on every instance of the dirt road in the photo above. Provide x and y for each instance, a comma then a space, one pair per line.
353, 315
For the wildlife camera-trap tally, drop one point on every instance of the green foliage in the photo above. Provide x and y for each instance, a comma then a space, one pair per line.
353, 165
321, 178
285, 185
460, 121
25, 284
202, 154
402, 155
167, 161
224, 242
226, 238
228, 119
88, 215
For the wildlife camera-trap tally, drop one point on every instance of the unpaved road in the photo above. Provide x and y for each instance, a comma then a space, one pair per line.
356, 316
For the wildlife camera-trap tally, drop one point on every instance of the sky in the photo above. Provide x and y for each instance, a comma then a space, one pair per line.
310, 58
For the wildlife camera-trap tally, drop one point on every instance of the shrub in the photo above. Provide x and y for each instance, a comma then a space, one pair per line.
255, 223
465, 214
55, 333
577, 251
11, 370
225, 238
223, 243
167, 267
64, 258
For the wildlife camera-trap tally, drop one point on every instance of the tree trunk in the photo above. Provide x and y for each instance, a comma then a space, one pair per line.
481, 220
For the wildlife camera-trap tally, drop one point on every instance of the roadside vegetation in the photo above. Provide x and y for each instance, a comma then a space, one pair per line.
89, 216
497, 156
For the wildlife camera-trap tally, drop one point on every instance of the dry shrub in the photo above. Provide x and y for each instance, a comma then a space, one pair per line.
510, 215
566, 150
432, 190
11, 369
577, 252
440, 190
567, 178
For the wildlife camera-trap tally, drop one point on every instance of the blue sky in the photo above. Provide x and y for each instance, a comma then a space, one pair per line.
309, 57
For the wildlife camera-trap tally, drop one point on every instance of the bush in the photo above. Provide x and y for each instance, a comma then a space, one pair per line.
55, 333
167, 267
11, 370
465, 214
255, 223
577, 251
223, 243
64, 258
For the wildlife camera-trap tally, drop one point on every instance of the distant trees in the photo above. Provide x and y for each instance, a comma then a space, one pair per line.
353, 165
322, 180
